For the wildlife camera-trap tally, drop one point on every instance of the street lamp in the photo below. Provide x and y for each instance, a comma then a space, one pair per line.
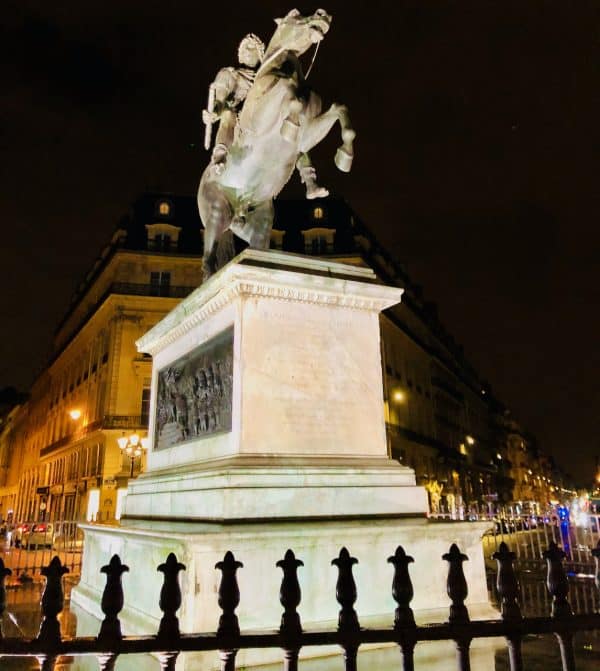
133, 446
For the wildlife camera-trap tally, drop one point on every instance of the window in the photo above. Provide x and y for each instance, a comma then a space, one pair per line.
93, 505
318, 213
164, 208
160, 283
145, 414
162, 242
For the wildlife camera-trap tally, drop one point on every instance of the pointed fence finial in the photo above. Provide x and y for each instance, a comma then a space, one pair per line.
507, 584
229, 595
556, 581
170, 597
404, 619
345, 591
112, 600
456, 585
52, 602
4, 573
290, 595
402, 589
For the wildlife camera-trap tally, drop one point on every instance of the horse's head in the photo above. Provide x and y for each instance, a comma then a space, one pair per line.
297, 33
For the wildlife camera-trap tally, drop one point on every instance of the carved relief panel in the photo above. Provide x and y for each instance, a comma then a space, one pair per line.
194, 393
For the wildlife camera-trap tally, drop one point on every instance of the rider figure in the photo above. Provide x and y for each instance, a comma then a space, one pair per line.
231, 87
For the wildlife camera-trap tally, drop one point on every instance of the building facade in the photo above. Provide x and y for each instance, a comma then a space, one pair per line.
96, 386
59, 456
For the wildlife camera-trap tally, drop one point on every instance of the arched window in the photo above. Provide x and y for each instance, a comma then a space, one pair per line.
164, 208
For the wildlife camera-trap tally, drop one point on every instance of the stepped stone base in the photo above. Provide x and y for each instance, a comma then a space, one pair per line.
258, 547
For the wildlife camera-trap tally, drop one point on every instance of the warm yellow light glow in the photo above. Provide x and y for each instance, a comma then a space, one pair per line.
93, 505
470, 440
399, 396
318, 213
463, 448
75, 414
499, 456
134, 439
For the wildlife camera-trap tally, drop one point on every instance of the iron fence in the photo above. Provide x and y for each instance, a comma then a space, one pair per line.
529, 535
29, 547
168, 642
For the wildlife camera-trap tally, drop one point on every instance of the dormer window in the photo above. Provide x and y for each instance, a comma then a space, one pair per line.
164, 208
163, 237
318, 213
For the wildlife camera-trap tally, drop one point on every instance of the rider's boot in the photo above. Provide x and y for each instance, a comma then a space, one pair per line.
308, 176
219, 157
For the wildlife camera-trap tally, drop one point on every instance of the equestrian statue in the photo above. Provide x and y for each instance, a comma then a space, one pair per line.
269, 120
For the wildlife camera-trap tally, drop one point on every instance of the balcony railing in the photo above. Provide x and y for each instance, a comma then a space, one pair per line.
132, 289
168, 642
107, 422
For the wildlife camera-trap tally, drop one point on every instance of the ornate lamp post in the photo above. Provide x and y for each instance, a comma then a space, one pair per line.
133, 446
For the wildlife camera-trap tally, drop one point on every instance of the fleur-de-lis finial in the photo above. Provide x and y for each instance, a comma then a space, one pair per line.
345, 591
170, 597
456, 585
290, 595
507, 584
112, 599
556, 581
52, 601
229, 595
402, 589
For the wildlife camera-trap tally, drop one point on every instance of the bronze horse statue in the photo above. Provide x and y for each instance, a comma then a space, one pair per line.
279, 123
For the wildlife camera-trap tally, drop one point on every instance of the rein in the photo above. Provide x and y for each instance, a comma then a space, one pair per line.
313, 59
281, 50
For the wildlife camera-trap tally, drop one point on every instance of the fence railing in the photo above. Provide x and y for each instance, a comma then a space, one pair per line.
168, 642
529, 535
27, 547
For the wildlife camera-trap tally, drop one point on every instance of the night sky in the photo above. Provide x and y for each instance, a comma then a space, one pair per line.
477, 164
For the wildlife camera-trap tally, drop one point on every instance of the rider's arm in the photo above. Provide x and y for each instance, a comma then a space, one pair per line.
225, 83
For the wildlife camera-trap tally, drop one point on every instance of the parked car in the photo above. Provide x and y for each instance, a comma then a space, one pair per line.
15, 536
40, 534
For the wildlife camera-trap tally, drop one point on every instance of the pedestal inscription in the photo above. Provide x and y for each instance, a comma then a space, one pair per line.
194, 393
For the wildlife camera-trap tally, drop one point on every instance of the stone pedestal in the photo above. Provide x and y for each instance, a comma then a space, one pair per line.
267, 431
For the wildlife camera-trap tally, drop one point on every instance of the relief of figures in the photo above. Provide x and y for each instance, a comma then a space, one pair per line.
194, 394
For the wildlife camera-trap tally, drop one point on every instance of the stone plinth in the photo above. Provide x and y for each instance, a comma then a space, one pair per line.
306, 399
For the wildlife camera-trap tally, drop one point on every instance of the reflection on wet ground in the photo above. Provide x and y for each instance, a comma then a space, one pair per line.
22, 618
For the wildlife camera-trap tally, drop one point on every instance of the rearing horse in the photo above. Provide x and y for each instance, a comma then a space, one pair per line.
280, 122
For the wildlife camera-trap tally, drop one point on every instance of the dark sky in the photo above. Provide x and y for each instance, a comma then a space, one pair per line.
477, 164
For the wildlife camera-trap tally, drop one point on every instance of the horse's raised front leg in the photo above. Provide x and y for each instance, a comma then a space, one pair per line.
314, 130
290, 128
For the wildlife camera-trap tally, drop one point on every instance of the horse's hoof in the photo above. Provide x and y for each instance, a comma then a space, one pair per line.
290, 131
348, 135
343, 160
